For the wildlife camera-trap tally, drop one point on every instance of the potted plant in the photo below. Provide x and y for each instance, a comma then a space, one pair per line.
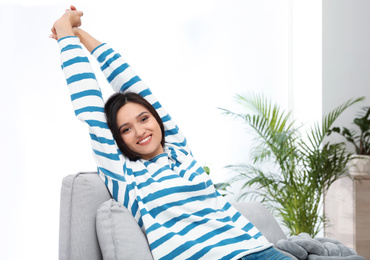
290, 172
360, 139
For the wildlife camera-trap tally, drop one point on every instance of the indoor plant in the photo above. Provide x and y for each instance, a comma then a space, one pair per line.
303, 167
360, 139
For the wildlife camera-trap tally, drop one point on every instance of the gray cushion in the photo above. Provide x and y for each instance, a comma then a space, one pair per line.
119, 235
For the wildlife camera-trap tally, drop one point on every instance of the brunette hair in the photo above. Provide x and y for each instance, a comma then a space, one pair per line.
114, 103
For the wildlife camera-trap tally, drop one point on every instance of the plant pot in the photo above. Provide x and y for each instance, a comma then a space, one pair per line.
359, 165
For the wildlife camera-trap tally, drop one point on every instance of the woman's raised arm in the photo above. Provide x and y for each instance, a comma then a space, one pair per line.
87, 99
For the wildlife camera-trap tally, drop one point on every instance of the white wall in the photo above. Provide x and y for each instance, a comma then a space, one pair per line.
201, 51
306, 61
346, 56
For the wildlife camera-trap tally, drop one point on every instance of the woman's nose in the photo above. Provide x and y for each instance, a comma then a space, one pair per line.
140, 131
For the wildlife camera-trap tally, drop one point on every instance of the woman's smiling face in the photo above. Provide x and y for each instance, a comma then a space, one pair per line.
139, 130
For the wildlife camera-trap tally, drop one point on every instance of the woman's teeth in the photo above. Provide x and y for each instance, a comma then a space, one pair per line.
144, 140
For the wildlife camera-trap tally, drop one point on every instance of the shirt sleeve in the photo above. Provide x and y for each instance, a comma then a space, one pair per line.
122, 78
88, 106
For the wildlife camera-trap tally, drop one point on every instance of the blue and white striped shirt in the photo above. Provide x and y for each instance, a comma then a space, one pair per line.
170, 196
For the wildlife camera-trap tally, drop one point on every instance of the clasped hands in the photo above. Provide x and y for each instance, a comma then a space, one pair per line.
65, 25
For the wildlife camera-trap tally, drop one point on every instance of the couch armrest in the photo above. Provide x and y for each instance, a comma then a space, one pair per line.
261, 218
81, 195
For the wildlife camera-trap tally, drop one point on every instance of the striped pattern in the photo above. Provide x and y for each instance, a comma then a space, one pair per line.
170, 196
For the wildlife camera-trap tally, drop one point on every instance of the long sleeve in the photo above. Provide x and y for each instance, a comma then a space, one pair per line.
88, 105
122, 78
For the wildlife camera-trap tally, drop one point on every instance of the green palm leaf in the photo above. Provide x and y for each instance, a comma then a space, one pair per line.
303, 170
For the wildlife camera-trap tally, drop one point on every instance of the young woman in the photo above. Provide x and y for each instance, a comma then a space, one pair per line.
145, 161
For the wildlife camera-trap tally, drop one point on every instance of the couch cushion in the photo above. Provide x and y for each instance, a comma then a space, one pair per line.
119, 235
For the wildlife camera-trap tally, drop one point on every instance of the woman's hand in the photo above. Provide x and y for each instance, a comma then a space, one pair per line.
65, 24
76, 17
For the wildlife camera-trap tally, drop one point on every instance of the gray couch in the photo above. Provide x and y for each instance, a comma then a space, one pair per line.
83, 194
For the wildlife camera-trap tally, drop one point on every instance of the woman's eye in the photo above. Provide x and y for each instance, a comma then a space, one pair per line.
144, 119
124, 131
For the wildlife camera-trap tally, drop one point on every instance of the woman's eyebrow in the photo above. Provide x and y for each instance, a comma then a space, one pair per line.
138, 116
142, 113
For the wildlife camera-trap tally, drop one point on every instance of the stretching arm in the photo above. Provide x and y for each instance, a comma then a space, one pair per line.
88, 104
87, 101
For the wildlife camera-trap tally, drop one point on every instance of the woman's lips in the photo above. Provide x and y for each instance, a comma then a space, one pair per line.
145, 140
